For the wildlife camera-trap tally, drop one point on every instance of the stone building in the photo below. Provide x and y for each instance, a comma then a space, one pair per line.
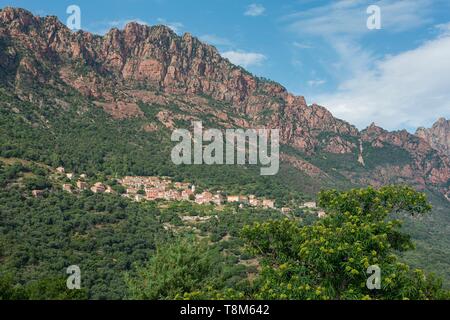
241, 199
38, 193
204, 197
82, 185
254, 201
67, 187
267, 203
98, 187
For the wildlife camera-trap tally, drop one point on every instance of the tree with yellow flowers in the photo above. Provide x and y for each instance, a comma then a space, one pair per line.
330, 258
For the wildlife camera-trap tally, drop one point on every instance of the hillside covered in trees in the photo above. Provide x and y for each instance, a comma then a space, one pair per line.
64, 103
150, 250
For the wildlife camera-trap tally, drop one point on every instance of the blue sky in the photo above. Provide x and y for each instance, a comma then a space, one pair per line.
397, 76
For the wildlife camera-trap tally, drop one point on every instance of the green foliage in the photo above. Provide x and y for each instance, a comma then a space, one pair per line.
44, 289
37, 182
9, 290
329, 259
90, 141
103, 234
387, 154
374, 204
179, 266
106, 234
430, 235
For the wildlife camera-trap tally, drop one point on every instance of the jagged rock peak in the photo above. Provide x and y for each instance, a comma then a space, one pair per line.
438, 136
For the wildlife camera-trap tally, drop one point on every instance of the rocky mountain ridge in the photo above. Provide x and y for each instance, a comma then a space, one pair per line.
438, 136
152, 65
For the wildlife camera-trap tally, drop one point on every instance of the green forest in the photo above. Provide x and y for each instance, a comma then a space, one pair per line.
129, 250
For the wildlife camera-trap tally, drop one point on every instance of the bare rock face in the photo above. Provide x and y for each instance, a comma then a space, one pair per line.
426, 163
339, 145
153, 65
438, 136
158, 59
120, 109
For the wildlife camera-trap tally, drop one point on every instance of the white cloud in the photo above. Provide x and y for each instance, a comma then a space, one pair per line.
215, 40
301, 45
349, 17
255, 10
317, 82
352, 59
244, 59
443, 29
405, 90
408, 89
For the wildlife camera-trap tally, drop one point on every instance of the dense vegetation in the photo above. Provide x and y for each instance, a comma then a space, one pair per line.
330, 258
120, 245
158, 250
105, 235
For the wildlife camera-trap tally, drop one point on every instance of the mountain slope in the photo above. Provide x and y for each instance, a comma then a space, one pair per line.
129, 72
107, 106
438, 136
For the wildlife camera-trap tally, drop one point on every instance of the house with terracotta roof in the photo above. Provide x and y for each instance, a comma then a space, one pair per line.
154, 193
204, 197
82, 185
181, 185
67, 187
254, 201
218, 199
234, 198
186, 194
98, 187
267, 203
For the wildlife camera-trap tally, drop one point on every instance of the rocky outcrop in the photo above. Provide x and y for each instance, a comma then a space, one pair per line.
339, 145
156, 58
186, 78
438, 136
427, 165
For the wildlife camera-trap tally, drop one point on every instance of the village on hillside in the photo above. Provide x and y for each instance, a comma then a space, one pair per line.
163, 188
152, 188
